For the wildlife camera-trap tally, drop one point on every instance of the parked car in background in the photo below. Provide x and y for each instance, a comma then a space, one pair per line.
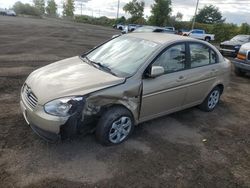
242, 61
170, 28
182, 32
232, 47
120, 26
7, 12
11, 13
2, 11
154, 29
126, 81
130, 28
199, 34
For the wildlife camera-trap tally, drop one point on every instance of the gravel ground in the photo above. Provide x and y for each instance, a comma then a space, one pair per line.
186, 149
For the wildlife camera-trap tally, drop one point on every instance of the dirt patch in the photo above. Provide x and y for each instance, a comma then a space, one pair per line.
186, 149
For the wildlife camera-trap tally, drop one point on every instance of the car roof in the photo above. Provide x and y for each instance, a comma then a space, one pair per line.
161, 38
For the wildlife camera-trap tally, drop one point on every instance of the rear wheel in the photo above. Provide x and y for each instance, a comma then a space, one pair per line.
211, 100
238, 71
114, 126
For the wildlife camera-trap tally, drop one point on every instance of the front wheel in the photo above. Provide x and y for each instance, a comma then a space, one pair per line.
114, 126
211, 100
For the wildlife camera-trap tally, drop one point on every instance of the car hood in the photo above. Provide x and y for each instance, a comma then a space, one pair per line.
232, 43
68, 77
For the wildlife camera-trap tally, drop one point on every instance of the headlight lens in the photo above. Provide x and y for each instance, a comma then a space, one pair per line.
63, 107
237, 47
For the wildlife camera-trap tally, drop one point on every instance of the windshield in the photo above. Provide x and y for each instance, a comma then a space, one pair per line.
241, 38
123, 55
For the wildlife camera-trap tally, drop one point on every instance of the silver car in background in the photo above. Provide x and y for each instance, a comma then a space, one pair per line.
242, 61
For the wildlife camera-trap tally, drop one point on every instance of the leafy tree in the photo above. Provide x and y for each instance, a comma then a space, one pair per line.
121, 20
40, 5
176, 18
209, 14
135, 9
224, 31
68, 8
161, 10
26, 9
51, 8
245, 29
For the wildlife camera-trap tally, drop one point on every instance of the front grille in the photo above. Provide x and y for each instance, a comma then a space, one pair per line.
29, 96
229, 47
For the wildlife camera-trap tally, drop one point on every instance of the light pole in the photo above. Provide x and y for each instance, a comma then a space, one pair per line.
197, 4
118, 7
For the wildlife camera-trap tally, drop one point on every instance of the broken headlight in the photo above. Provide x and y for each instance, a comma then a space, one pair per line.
64, 106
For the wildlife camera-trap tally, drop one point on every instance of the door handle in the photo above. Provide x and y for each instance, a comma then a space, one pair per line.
181, 78
214, 70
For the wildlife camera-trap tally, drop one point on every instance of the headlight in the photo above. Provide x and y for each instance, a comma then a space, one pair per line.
237, 47
64, 106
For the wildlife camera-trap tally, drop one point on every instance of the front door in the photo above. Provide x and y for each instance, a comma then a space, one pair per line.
165, 94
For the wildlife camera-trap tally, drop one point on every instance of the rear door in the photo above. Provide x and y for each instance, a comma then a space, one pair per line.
204, 66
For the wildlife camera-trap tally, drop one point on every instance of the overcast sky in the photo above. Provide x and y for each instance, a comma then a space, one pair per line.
235, 11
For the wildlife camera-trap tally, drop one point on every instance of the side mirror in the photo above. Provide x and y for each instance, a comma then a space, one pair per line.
156, 71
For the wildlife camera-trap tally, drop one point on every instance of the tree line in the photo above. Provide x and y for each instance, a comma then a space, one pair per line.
160, 11
41, 7
208, 18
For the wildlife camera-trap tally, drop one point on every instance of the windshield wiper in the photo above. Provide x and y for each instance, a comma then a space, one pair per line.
87, 60
99, 65
103, 67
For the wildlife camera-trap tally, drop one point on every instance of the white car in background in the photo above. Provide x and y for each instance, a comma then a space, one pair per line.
6, 12
10, 13
199, 34
120, 26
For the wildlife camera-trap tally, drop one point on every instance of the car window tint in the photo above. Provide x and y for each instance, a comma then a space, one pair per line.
173, 59
201, 55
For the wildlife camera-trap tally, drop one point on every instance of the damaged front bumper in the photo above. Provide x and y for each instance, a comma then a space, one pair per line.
43, 124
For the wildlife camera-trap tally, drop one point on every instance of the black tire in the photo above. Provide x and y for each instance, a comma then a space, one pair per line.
206, 104
207, 39
238, 72
104, 126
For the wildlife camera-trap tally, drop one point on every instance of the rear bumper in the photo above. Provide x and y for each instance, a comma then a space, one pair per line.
241, 64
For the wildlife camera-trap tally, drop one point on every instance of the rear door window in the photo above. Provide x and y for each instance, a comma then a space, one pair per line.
201, 55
